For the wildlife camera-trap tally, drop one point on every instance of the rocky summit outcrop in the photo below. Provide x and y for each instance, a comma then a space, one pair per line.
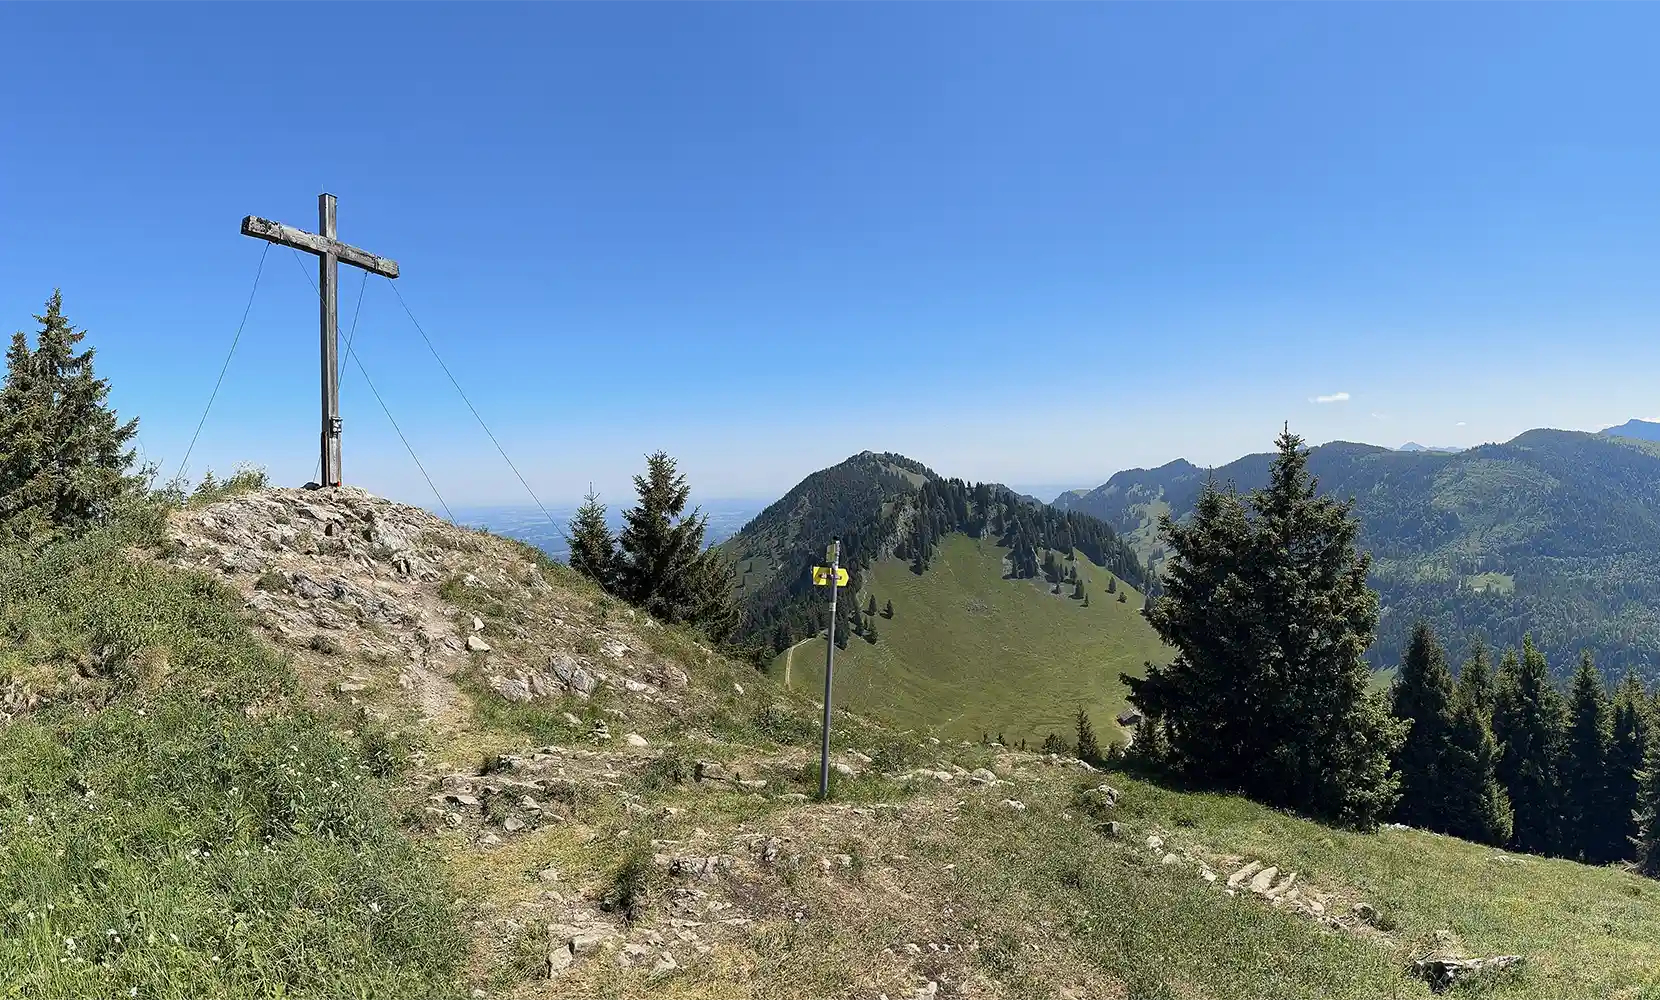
380, 593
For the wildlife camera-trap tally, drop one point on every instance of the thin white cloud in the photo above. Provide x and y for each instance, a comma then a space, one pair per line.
1380, 416
1459, 424
1336, 397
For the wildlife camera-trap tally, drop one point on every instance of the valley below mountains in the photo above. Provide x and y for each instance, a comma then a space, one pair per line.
1553, 533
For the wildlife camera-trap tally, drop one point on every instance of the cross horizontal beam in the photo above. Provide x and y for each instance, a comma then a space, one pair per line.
299, 239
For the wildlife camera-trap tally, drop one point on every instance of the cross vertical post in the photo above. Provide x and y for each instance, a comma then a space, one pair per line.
330, 252
328, 284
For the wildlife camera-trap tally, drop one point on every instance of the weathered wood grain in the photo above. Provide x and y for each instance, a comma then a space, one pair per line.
299, 239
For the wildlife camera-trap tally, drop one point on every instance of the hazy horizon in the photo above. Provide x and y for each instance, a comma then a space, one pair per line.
1030, 244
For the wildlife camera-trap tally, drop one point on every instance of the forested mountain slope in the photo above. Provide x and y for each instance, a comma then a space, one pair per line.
888, 506
1556, 533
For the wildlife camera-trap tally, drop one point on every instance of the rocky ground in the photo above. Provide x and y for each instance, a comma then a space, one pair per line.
616, 828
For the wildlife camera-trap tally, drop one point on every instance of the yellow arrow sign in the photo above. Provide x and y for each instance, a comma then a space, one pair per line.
821, 576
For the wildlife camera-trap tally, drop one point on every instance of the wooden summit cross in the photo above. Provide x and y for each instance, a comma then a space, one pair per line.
330, 252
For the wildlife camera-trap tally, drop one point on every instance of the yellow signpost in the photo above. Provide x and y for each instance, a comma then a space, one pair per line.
822, 574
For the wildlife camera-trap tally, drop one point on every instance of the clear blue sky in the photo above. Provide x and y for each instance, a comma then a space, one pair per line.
1028, 243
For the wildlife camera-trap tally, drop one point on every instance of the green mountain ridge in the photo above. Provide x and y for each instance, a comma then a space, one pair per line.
1554, 533
886, 506
1642, 430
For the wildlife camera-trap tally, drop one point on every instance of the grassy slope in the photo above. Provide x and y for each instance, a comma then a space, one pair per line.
969, 652
1032, 903
1039, 902
170, 845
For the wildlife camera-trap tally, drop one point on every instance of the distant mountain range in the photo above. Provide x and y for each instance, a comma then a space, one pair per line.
1554, 533
1642, 430
529, 524
1415, 446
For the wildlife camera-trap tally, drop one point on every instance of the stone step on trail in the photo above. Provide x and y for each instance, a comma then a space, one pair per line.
1262, 880
1239, 877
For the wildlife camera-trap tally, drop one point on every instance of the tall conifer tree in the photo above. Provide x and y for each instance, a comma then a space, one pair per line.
1089, 749
662, 566
1646, 846
593, 550
1422, 697
1528, 724
1475, 680
1474, 806
1633, 728
1587, 810
1267, 606
64, 457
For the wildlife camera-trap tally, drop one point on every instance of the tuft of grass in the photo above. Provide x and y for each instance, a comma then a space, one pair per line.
627, 892
209, 490
666, 771
271, 580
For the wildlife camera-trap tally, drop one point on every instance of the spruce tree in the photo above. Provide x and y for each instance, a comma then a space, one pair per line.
1112, 584
662, 566
1646, 845
887, 612
1086, 600
1474, 806
1422, 697
207, 487
710, 587
1089, 749
1121, 597
593, 550
1475, 680
870, 631
1527, 724
1633, 728
1588, 828
64, 457
1267, 607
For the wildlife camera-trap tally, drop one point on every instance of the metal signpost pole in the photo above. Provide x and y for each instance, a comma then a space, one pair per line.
829, 669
